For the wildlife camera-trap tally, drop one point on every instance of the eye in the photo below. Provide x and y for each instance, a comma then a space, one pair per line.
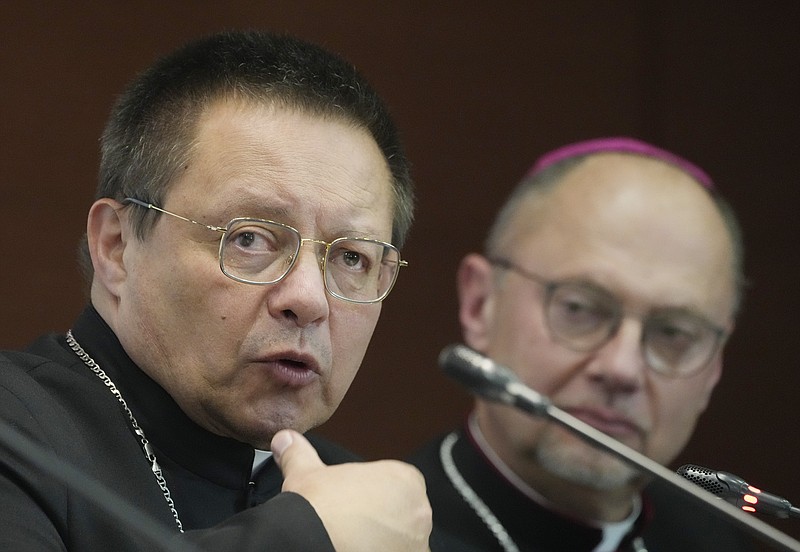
576, 306
675, 334
579, 307
255, 239
352, 255
352, 259
245, 239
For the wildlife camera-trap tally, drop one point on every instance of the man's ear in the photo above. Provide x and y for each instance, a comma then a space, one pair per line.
107, 236
475, 282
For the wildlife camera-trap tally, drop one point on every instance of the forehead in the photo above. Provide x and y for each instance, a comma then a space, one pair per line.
636, 225
271, 160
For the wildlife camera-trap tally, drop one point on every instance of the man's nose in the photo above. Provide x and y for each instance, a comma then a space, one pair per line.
619, 364
301, 295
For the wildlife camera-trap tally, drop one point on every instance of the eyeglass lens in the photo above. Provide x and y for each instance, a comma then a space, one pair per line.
583, 317
263, 252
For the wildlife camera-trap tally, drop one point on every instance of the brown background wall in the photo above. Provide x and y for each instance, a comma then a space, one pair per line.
479, 91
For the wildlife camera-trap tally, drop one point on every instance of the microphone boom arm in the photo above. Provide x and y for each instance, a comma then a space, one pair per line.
499, 384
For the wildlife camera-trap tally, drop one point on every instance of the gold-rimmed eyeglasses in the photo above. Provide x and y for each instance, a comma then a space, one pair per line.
257, 251
583, 317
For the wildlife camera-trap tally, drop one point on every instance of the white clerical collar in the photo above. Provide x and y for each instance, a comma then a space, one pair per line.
613, 532
259, 458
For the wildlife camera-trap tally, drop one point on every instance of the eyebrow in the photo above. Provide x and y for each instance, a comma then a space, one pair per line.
590, 282
243, 206
236, 208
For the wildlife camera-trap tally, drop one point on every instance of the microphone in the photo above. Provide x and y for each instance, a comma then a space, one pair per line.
735, 490
491, 380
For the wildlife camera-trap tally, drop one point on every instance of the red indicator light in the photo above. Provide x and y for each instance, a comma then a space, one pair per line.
748, 509
753, 489
750, 498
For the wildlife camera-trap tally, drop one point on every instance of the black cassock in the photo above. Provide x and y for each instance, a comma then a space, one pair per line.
49, 394
667, 523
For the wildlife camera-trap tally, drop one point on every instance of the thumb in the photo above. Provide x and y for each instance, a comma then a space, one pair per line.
294, 454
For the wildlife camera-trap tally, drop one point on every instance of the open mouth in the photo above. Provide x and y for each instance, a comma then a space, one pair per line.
293, 370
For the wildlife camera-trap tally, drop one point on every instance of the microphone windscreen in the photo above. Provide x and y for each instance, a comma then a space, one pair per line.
476, 372
705, 478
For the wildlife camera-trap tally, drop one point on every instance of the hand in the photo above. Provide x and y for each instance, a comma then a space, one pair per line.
364, 506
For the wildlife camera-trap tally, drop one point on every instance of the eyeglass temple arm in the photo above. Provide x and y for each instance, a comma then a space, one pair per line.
146, 205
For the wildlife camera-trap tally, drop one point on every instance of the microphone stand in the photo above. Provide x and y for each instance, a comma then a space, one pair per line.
507, 389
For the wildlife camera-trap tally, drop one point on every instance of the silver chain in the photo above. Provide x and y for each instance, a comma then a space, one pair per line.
471, 497
479, 506
146, 447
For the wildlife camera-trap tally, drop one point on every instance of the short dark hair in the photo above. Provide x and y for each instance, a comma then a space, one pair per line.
152, 126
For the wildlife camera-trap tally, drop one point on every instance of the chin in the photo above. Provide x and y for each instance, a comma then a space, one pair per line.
582, 464
260, 431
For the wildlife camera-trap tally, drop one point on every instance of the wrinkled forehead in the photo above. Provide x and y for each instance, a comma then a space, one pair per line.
268, 162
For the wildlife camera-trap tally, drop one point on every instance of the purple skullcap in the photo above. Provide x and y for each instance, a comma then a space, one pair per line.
620, 144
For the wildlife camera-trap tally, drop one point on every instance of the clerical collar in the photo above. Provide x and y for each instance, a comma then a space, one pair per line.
259, 459
613, 532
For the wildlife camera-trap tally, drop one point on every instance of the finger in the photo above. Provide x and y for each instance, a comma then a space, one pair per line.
294, 454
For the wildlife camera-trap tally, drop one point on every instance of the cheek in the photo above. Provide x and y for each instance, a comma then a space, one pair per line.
512, 331
193, 302
351, 328
181, 304
522, 343
677, 412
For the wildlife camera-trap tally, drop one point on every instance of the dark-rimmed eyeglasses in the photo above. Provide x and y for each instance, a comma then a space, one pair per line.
583, 317
259, 252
